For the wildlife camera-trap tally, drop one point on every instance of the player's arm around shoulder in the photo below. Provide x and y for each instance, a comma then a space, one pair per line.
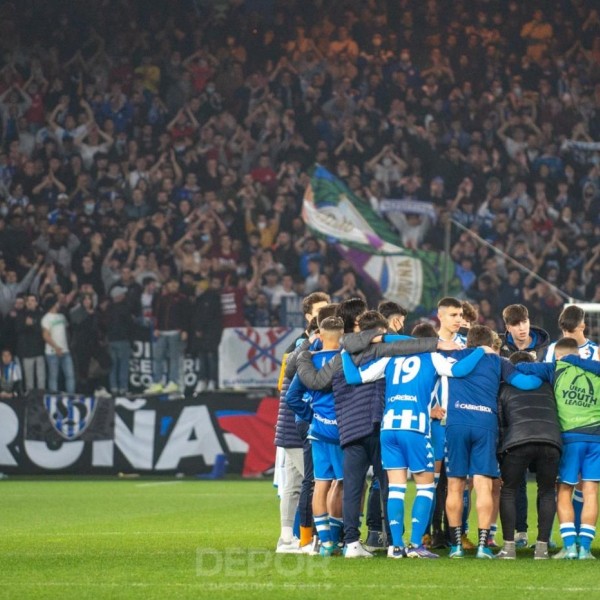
587, 364
316, 379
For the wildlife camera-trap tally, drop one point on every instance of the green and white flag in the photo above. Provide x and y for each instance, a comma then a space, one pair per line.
413, 278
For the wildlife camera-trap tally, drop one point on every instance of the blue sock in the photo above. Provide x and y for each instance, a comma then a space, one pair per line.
577, 508
395, 506
323, 530
335, 527
493, 530
568, 534
466, 509
421, 511
586, 536
297, 524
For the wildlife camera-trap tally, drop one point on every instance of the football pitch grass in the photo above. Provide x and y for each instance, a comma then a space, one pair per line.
150, 538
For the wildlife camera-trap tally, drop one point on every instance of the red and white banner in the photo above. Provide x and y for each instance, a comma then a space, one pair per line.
250, 357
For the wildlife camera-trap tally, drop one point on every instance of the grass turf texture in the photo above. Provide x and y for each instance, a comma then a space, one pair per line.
190, 539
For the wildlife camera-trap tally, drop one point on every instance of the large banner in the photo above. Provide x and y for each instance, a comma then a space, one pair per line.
411, 277
51, 433
250, 357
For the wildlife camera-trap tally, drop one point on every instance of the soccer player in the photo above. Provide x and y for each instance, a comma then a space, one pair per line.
572, 325
454, 324
405, 429
394, 313
471, 438
529, 434
450, 315
576, 384
325, 440
520, 335
296, 486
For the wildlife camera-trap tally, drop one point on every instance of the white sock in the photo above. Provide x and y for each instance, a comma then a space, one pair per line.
287, 533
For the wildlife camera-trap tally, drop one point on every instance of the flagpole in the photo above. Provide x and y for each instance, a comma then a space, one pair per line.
511, 260
447, 234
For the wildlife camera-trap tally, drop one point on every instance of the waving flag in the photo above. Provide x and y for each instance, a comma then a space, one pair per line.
413, 278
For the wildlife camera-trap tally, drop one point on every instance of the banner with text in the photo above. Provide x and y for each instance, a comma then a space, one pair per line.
250, 357
74, 434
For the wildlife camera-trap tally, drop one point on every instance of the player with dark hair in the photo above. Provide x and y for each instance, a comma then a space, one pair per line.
471, 438
576, 384
317, 408
520, 335
294, 452
450, 315
394, 313
572, 325
571, 322
529, 433
451, 318
349, 311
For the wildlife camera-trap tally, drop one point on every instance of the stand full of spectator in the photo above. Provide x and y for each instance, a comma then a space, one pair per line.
30, 344
58, 356
171, 313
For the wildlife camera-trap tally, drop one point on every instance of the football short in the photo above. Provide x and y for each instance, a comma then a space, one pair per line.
438, 439
471, 451
406, 450
579, 458
328, 460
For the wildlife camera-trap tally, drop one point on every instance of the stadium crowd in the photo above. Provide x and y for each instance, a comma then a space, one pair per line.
154, 158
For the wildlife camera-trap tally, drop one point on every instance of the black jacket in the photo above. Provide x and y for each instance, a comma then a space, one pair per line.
286, 431
542, 341
119, 322
30, 342
172, 312
527, 417
207, 322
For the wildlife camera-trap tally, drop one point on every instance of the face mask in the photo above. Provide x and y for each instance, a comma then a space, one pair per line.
262, 225
88, 209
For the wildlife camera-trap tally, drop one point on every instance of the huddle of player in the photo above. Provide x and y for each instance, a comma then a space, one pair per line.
357, 394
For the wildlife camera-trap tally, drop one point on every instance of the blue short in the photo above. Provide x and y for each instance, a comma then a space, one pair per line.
579, 458
471, 451
438, 439
328, 461
402, 449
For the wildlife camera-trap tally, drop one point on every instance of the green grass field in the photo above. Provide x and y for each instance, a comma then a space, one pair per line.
191, 539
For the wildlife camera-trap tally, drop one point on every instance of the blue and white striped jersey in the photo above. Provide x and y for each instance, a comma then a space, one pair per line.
587, 350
